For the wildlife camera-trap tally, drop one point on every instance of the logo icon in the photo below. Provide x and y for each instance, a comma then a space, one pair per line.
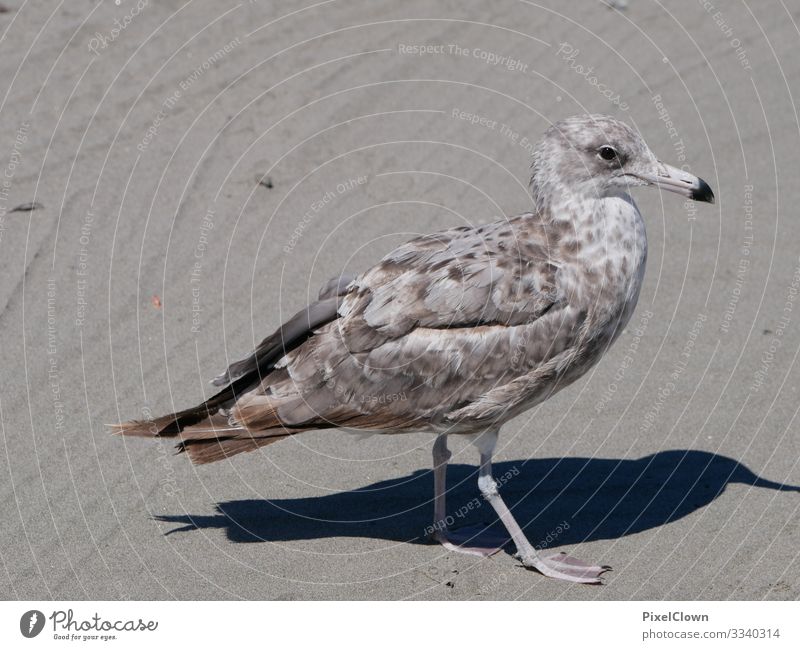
31, 623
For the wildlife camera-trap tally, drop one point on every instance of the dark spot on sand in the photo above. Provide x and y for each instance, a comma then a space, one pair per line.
27, 207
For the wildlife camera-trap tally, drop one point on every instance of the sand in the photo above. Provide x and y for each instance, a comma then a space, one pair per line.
203, 168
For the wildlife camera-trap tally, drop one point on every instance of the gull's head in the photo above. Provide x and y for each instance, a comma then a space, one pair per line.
592, 156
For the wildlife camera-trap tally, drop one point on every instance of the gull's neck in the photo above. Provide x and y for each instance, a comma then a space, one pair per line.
602, 247
597, 228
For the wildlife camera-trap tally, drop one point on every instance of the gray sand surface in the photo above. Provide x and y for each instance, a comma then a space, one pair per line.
157, 258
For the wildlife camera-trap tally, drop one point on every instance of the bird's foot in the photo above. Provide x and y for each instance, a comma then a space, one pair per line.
565, 567
472, 540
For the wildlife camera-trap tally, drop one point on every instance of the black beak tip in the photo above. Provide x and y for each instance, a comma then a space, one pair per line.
703, 192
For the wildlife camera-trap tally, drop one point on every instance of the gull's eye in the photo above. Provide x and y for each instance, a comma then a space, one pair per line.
607, 153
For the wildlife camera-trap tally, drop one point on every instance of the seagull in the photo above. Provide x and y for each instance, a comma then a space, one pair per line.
457, 332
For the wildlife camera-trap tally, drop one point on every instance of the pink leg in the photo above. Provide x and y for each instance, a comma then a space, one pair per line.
557, 565
471, 540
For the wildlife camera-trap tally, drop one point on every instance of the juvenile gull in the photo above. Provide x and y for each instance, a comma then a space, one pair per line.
471, 326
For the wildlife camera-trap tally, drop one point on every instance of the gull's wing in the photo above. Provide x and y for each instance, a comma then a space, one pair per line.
499, 274
438, 324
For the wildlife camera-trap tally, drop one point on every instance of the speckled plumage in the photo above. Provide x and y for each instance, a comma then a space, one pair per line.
460, 330
465, 327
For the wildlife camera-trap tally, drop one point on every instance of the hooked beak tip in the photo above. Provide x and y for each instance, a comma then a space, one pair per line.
703, 192
680, 181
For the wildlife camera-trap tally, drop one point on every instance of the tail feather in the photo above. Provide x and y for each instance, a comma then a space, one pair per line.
209, 437
203, 451
157, 427
206, 432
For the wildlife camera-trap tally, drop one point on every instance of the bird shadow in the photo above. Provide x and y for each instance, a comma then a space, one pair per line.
557, 501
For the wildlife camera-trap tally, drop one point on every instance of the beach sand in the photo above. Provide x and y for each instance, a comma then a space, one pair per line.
204, 167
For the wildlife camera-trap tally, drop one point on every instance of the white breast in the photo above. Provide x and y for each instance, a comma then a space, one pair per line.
622, 252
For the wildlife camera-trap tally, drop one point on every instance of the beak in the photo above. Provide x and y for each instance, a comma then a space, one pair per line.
673, 179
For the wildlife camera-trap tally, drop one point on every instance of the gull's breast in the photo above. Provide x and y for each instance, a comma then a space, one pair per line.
610, 265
